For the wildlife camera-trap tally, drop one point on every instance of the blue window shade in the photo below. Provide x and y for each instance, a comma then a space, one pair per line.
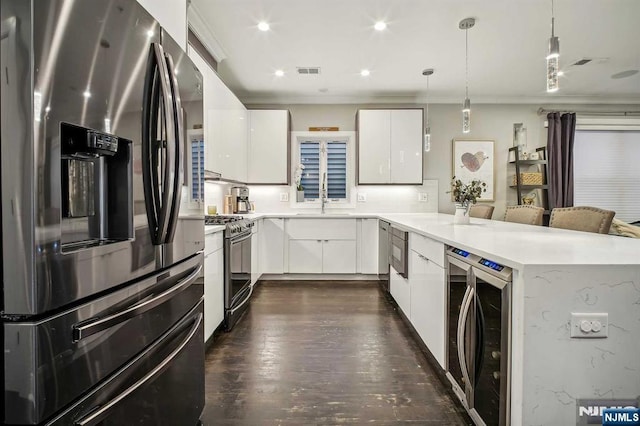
197, 170
310, 158
336, 170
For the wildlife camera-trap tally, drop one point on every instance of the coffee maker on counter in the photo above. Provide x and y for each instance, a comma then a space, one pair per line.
240, 199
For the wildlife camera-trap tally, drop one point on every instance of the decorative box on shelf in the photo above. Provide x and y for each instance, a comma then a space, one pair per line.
528, 178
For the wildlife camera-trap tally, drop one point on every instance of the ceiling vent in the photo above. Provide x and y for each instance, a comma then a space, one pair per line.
308, 70
583, 61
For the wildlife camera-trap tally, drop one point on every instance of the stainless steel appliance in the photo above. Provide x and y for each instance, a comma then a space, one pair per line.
384, 229
237, 266
479, 329
101, 307
399, 256
241, 203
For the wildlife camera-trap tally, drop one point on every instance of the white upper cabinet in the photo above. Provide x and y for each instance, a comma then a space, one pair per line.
406, 146
390, 146
225, 125
374, 144
172, 16
268, 149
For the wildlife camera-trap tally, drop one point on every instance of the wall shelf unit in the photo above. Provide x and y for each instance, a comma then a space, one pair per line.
523, 166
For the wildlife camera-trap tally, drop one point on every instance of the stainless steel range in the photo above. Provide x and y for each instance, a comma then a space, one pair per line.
237, 265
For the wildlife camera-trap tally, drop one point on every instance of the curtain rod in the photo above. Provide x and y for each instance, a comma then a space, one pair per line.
543, 111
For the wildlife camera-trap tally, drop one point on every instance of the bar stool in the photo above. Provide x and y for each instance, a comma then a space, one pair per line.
530, 215
583, 218
482, 211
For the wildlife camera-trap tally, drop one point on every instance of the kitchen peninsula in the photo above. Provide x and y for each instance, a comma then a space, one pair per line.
555, 273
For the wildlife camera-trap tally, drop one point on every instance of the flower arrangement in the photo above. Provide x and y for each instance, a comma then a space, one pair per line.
298, 177
467, 194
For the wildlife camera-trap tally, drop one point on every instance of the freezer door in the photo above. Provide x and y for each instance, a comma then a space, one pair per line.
50, 363
162, 386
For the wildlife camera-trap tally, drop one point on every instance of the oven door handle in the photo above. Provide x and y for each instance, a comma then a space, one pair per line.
96, 416
245, 238
246, 299
462, 325
95, 325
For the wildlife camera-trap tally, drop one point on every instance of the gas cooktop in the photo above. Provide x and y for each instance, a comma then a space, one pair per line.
221, 220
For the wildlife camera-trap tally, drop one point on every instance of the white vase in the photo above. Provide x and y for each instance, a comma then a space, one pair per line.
462, 215
300, 196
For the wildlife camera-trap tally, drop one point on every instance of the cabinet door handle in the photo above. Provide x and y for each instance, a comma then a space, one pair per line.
319, 241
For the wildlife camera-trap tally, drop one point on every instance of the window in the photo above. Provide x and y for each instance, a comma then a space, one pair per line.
325, 164
196, 157
606, 173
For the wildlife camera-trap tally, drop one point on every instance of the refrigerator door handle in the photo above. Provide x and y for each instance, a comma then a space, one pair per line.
95, 325
98, 414
158, 189
179, 143
462, 325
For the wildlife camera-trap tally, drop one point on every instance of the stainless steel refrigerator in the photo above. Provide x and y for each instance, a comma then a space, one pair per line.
101, 275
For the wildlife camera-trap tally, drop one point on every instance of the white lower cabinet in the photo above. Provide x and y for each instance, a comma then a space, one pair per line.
368, 246
339, 257
255, 252
400, 291
213, 284
271, 243
322, 257
428, 301
305, 256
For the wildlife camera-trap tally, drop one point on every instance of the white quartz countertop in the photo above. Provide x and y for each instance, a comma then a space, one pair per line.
511, 244
212, 229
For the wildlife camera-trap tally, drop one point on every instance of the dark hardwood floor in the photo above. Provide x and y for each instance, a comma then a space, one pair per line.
322, 353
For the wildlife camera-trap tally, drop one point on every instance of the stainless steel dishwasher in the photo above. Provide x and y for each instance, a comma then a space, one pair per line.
384, 229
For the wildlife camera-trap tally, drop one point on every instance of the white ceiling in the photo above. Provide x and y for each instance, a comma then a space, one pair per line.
507, 49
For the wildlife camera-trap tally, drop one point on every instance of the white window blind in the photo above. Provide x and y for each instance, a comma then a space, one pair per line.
606, 172
324, 160
197, 169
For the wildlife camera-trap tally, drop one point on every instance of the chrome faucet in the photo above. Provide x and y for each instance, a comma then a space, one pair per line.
324, 191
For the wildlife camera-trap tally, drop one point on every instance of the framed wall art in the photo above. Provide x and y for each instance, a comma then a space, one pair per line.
475, 159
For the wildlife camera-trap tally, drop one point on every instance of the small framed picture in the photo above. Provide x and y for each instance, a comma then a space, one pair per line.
475, 160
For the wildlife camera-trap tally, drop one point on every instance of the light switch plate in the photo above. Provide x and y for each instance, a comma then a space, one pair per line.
284, 196
589, 325
362, 197
423, 197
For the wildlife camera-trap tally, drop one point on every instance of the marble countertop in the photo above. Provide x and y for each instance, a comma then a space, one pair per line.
511, 244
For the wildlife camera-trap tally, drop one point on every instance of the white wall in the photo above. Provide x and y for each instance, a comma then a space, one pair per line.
172, 16
488, 121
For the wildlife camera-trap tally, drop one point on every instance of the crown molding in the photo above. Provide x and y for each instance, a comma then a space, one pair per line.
360, 99
202, 30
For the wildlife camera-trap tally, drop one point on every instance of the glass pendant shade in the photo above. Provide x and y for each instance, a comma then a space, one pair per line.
553, 64
427, 139
466, 116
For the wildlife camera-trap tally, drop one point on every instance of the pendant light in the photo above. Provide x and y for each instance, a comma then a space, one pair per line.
427, 129
465, 24
553, 57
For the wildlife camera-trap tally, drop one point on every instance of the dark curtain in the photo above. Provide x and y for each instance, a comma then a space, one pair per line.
560, 136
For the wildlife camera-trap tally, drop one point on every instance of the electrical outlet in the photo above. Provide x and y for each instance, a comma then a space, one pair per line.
284, 196
589, 325
362, 197
423, 197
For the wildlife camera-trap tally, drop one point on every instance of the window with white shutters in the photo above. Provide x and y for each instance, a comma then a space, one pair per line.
325, 166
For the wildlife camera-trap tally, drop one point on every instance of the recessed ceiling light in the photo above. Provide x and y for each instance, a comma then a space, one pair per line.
263, 26
380, 26
279, 73
624, 74
365, 73
560, 73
